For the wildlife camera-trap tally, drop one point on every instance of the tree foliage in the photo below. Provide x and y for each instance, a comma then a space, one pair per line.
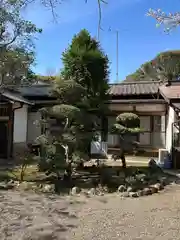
63, 129
16, 43
164, 67
127, 126
81, 92
127, 123
85, 62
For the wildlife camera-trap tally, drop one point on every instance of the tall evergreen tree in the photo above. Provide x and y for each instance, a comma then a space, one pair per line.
85, 62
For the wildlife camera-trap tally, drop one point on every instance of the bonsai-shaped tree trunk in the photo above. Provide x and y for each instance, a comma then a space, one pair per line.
127, 126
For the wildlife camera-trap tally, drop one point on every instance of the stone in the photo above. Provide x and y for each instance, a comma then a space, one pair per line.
11, 181
129, 189
48, 188
16, 183
133, 194
146, 191
106, 189
75, 190
121, 188
100, 194
7, 185
92, 191
10, 185
3, 186
141, 177
159, 186
140, 193
153, 189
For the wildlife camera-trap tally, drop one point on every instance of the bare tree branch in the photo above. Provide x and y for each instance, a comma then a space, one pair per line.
52, 5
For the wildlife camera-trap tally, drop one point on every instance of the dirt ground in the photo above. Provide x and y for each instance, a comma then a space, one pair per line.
29, 216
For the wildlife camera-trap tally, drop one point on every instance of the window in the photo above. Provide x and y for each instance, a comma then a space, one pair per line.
159, 123
145, 123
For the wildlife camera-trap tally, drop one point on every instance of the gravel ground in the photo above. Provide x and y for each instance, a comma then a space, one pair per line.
25, 216
30, 216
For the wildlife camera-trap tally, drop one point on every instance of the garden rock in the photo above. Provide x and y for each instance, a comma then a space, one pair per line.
129, 189
75, 190
153, 189
146, 191
105, 189
159, 186
141, 177
133, 194
140, 193
10, 185
5, 186
121, 188
100, 194
92, 191
48, 188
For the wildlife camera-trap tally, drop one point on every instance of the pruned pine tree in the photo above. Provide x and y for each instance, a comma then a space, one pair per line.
127, 126
65, 128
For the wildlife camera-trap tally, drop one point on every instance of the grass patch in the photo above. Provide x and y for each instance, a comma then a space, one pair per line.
30, 174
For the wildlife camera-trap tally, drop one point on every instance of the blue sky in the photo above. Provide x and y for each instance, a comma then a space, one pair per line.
139, 39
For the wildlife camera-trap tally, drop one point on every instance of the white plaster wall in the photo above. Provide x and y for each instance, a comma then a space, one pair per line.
171, 117
20, 125
33, 130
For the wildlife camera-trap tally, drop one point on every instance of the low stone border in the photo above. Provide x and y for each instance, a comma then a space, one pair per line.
128, 192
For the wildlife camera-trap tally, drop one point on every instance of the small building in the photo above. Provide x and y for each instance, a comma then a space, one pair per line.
144, 99
156, 104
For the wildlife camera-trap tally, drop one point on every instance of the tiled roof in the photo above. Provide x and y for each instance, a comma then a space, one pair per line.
36, 91
170, 92
16, 97
134, 88
121, 89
